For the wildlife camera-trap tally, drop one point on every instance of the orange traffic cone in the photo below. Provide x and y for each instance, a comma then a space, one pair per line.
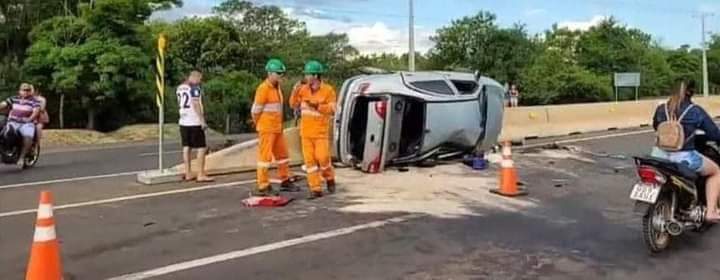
45, 254
508, 174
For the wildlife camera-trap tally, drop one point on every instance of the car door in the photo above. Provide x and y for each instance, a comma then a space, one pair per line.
342, 117
377, 131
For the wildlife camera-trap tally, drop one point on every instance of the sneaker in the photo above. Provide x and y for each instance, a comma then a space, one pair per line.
314, 195
331, 186
288, 186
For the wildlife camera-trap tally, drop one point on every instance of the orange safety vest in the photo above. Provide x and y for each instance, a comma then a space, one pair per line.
267, 110
315, 122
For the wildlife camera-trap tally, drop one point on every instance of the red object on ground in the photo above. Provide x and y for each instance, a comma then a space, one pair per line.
266, 201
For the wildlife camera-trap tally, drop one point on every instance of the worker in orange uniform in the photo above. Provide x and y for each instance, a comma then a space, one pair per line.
316, 101
267, 116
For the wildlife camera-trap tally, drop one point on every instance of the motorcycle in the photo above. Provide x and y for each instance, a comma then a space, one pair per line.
671, 196
11, 143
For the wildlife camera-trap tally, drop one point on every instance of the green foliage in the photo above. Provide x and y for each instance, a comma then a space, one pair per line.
228, 95
476, 42
101, 57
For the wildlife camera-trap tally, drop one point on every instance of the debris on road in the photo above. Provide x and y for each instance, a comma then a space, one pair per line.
447, 191
266, 201
576, 149
559, 154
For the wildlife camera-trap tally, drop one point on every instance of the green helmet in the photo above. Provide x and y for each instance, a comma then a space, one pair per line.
314, 67
275, 66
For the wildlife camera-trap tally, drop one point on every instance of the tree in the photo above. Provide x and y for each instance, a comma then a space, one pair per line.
553, 79
97, 55
230, 94
610, 47
477, 42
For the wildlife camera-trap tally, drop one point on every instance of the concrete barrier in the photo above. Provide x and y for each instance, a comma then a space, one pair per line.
238, 158
523, 122
527, 122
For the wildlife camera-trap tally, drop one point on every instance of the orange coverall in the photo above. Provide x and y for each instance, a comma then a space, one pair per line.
317, 110
267, 114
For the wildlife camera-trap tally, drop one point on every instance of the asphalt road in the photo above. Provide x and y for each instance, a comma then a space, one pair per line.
61, 163
582, 228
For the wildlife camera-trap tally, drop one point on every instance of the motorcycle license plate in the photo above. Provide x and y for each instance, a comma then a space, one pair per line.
645, 192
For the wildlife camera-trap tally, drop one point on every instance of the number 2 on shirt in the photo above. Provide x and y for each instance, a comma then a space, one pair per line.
185, 100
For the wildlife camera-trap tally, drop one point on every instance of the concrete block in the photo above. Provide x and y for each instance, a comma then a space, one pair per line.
155, 177
238, 158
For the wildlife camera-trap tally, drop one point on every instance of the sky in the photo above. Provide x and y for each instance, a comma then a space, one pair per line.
375, 26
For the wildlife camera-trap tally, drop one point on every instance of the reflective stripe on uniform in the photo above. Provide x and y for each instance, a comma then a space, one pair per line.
326, 167
283, 161
256, 109
269, 107
272, 107
311, 113
312, 169
263, 164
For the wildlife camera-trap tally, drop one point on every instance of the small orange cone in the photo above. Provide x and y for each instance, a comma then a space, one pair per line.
45, 254
508, 174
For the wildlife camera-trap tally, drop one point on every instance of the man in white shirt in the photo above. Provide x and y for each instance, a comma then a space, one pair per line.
192, 125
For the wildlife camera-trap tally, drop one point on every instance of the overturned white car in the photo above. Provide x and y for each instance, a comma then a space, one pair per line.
410, 117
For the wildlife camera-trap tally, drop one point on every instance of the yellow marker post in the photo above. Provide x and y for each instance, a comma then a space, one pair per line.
160, 96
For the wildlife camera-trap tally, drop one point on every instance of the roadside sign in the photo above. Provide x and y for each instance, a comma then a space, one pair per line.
627, 79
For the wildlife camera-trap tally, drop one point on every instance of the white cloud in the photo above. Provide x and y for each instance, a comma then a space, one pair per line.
367, 37
535, 12
582, 25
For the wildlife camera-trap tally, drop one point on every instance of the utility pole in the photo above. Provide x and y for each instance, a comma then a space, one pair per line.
706, 85
411, 39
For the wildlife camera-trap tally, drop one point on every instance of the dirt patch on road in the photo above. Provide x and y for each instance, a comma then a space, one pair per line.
446, 191
132, 133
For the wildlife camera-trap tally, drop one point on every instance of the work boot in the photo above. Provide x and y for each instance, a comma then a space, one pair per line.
289, 186
331, 186
266, 192
315, 194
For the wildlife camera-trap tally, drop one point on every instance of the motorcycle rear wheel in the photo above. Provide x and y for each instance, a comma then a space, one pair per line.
656, 238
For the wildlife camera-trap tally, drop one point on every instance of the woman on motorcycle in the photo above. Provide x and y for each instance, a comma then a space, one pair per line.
693, 117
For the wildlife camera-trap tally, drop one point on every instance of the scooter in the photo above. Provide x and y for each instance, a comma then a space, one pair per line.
671, 196
11, 143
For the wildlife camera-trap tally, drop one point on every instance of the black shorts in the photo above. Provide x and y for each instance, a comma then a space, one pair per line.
192, 136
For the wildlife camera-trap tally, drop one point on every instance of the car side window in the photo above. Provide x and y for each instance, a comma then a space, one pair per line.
465, 87
435, 86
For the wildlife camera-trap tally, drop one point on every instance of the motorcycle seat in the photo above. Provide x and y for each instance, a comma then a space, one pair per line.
677, 168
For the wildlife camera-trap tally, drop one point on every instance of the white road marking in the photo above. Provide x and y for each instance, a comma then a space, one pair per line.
263, 248
126, 198
590, 138
65, 180
156, 153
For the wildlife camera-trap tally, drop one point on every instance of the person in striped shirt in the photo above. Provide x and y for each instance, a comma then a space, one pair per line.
24, 109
